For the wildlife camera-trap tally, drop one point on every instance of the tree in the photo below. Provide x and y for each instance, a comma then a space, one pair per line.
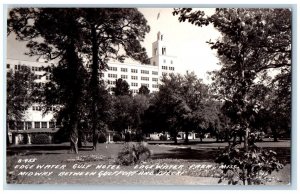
140, 104
122, 117
94, 34
20, 89
254, 42
181, 105
144, 90
121, 88
20, 86
109, 31
55, 34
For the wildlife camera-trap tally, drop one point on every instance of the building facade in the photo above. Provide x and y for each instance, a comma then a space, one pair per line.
136, 76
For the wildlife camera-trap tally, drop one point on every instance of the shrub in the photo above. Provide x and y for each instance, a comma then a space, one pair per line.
62, 135
117, 137
23, 139
139, 137
163, 138
127, 137
133, 153
102, 138
40, 139
251, 167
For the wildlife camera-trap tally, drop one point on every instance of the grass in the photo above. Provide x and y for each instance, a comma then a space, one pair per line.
194, 154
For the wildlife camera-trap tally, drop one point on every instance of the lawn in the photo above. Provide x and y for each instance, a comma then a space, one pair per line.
192, 157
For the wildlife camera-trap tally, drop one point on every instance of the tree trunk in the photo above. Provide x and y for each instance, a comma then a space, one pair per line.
74, 64
275, 134
186, 137
175, 137
74, 138
95, 83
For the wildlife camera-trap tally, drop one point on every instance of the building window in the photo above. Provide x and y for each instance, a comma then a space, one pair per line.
134, 84
44, 124
164, 60
153, 62
111, 82
145, 78
124, 69
16, 66
112, 75
171, 68
154, 79
154, 86
37, 125
124, 76
164, 67
134, 77
154, 73
101, 74
134, 70
144, 72
147, 85
7, 66
113, 68
28, 125
171, 61
164, 51
32, 68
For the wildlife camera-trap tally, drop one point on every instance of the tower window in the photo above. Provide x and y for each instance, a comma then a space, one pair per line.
161, 37
164, 51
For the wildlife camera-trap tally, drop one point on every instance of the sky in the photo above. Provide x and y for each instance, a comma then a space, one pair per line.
184, 40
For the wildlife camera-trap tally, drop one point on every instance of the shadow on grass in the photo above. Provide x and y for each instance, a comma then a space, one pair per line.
210, 154
44, 149
203, 155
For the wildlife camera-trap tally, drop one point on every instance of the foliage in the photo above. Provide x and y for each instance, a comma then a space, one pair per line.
144, 90
40, 139
139, 137
122, 117
254, 51
62, 135
102, 138
247, 167
121, 88
117, 138
70, 35
20, 90
133, 153
128, 137
182, 104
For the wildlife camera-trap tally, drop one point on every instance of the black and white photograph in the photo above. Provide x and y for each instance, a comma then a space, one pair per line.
143, 95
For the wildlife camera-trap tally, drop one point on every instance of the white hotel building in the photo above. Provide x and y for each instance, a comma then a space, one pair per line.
136, 75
